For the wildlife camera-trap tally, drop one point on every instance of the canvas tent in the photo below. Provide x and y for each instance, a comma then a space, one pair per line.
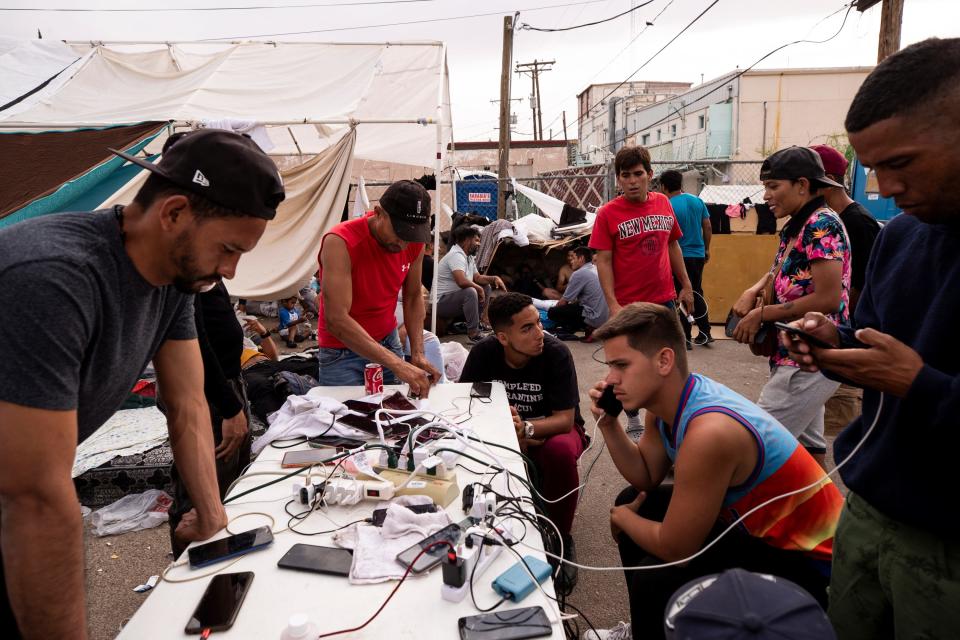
376, 101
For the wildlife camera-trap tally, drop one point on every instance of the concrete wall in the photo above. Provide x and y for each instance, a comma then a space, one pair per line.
803, 107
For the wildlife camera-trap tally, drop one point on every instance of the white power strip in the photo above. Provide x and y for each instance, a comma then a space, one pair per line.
345, 491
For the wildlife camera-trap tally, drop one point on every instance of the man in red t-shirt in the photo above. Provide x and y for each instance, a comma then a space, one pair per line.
636, 236
364, 264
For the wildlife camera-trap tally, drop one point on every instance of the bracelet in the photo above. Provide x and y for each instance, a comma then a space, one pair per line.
265, 335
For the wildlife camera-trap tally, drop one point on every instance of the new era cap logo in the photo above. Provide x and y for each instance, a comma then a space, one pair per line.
201, 179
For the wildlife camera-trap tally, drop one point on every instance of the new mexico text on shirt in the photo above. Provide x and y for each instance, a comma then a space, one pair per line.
636, 226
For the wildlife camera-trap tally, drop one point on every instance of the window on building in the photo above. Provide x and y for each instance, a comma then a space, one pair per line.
673, 131
645, 139
701, 122
659, 135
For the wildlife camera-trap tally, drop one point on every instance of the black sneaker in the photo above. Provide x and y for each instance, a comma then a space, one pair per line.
689, 344
702, 339
567, 576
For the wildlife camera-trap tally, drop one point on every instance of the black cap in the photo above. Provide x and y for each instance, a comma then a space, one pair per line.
408, 205
738, 604
227, 168
793, 163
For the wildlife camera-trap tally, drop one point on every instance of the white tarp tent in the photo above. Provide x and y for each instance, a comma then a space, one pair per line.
307, 94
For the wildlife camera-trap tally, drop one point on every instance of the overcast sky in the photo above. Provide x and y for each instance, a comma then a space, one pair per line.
733, 33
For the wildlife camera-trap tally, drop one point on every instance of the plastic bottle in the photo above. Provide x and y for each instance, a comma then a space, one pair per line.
299, 627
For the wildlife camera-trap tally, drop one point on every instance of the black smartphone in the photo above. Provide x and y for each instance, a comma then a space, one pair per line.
229, 547
220, 604
366, 408
398, 401
795, 333
337, 442
359, 422
379, 515
514, 624
609, 403
481, 389
309, 557
431, 558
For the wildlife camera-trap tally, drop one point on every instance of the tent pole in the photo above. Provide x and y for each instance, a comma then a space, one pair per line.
191, 123
438, 169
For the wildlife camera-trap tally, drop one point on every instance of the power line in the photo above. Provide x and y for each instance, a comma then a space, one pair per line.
726, 79
245, 8
527, 27
401, 24
649, 24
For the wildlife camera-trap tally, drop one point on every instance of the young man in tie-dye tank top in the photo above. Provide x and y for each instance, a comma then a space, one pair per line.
728, 456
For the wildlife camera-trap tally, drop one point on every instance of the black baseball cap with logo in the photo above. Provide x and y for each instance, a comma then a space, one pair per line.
408, 205
794, 163
227, 168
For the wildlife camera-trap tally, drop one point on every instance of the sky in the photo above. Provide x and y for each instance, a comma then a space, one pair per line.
733, 33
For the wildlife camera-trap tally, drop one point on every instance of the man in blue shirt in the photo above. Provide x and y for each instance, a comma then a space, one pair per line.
896, 560
694, 221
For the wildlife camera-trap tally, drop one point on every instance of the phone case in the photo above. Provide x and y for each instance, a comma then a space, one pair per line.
609, 403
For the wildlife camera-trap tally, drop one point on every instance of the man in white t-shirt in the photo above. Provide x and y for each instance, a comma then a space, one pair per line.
461, 290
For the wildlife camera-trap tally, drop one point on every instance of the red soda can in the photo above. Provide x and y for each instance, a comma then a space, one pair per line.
373, 378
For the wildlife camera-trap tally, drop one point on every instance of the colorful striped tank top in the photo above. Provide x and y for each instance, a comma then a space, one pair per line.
803, 522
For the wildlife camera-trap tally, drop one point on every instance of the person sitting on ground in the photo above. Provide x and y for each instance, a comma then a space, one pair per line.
582, 305
260, 366
728, 456
538, 373
294, 327
461, 289
563, 280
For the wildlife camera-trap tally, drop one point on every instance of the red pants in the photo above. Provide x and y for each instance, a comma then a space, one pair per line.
556, 461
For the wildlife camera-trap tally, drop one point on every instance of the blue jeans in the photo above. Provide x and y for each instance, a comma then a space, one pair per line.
344, 368
431, 349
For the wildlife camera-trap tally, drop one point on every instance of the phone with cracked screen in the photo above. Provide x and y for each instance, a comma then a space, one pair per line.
431, 558
359, 422
220, 604
229, 547
310, 557
512, 624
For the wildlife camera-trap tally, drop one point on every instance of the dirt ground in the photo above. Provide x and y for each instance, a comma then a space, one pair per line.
117, 564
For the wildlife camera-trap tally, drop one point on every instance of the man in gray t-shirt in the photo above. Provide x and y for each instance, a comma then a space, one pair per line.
121, 282
461, 290
582, 305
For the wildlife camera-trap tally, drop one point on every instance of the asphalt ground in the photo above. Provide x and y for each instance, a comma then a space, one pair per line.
115, 565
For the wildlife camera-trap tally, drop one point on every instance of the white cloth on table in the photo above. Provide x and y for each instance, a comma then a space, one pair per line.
375, 549
310, 415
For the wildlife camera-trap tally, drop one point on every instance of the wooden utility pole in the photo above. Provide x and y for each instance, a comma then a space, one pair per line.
504, 169
565, 125
535, 68
891, 17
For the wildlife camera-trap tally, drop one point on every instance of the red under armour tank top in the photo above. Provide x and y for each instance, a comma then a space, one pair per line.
376, 275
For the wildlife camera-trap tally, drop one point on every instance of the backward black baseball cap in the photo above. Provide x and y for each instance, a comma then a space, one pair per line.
227, 168
793, 163
408, 205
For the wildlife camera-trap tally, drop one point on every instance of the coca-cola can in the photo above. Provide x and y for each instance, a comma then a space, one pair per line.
373, 378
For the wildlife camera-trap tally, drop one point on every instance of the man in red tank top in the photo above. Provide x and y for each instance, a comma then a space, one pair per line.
364, 264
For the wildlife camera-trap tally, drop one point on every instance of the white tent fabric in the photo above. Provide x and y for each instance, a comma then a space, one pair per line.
731, 193
286, 256
26, 64
548, 204
262, 82
361, 203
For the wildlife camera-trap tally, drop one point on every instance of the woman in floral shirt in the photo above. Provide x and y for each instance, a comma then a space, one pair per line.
811, 272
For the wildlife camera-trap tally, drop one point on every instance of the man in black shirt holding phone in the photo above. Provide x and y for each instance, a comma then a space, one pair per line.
538, 373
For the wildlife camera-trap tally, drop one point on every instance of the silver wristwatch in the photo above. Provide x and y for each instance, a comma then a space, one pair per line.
527, 429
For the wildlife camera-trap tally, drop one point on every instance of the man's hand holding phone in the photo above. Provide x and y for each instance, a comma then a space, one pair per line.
885, 364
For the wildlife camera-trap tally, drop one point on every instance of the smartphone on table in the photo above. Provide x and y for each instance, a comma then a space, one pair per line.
308, 457
431, 558
397, 401
229, 547
512, 624
362, 423
481, 389
309, 557
800, 334
366, 408
220, 604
